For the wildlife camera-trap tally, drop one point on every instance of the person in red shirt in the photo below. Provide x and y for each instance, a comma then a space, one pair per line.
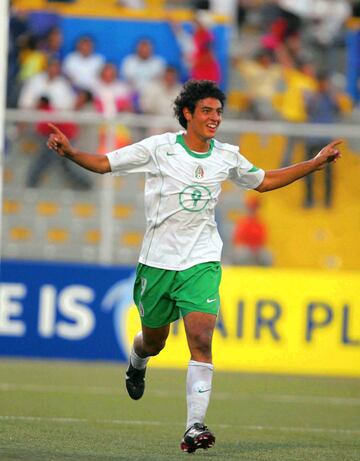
250, 236
46, 161
204, 63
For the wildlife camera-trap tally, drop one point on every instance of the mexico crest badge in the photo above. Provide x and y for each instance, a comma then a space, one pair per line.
199, 172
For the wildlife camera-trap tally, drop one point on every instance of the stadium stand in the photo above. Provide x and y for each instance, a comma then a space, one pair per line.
70, 221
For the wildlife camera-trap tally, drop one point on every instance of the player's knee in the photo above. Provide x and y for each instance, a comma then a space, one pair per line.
154, 347
201, 344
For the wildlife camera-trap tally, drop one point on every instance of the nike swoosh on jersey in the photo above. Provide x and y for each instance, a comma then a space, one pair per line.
201, 391
210, 300
170, 154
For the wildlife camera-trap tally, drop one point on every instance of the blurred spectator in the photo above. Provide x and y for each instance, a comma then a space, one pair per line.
280, 22
52, 43
327, 16
143, 66
200, 4
31, 59
226, 8
50, 91
204, 62
159, 95
19, 29
322, 106
87, 136
83, 65
326, 19
46, 158
197, 48
50, 84
299, 80
260, 79
250, 236
186, 44
112, 95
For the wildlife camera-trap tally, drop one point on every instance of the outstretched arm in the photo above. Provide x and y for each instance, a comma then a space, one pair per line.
274, 179
59, 143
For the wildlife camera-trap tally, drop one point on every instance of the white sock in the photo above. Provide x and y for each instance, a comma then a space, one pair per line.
138, 362
198, 390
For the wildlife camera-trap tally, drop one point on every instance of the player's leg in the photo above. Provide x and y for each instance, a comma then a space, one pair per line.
199, 299
199, 329
157, 311
147, 343
37, 168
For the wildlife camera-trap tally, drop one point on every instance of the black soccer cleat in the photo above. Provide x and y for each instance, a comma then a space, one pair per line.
197, 436
135, 382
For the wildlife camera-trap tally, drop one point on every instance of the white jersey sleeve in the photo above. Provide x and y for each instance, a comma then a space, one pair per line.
136, 158
245, 174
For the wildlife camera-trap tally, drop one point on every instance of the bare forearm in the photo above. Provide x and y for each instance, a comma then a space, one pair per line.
274, 179
92, 162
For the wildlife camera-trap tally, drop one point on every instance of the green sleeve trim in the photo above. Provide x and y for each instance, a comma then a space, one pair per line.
253, 169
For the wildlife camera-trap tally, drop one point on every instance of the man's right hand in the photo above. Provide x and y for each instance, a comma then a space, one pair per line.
58, 142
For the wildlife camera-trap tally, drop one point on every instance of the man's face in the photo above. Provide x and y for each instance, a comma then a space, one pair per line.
85, 47
54, 69
206, 118
170, 77
108, 73
144, 49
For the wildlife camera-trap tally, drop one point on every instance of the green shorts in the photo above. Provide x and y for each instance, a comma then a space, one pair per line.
162, 296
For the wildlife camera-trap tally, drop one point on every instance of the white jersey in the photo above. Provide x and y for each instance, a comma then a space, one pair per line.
181, 191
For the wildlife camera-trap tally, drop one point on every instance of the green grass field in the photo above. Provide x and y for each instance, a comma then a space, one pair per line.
80, 411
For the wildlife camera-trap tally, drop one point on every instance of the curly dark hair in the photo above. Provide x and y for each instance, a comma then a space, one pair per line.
192, 92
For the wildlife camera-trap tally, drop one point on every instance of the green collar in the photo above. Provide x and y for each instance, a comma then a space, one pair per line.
180, 140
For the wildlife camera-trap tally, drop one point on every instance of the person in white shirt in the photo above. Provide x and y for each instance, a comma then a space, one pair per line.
83, 66
111, 94
143, 66
50, 84
50, 91
179, 266
158, 96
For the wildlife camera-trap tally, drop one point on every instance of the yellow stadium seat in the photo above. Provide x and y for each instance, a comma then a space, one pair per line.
11, 206
131, 238
92, 236
47, 208
122, 211
84, 210
58, 235
20, 233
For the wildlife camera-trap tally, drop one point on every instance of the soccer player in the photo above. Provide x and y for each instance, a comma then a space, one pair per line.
179, 271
